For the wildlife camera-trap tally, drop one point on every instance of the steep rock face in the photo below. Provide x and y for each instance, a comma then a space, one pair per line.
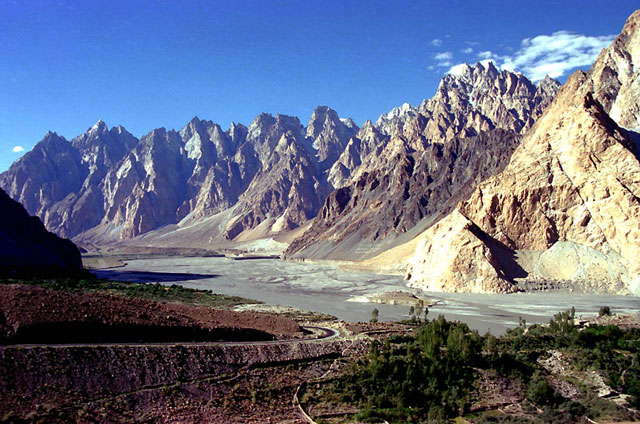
45, 175
59, 180
450, 246
330, 135
144, 191
416, 163
363, 148
615, 77
265, 133
106, 185
220, 172
100, 150
26, 244
574, 179
288, 189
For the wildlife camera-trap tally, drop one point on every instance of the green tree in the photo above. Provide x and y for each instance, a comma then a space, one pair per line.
604, 311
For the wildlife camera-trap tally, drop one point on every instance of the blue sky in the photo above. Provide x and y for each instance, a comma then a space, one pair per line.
146, 64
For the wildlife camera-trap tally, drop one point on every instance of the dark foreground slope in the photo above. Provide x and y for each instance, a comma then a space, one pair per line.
42, 315
25, 243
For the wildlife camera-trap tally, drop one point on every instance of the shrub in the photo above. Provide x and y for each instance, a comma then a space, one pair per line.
374, 316
540, 391
604, 311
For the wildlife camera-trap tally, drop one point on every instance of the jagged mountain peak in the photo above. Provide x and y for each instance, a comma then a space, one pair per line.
615, 76
329, 135
99, 126
195, 125
51, 135
482, 74
321, 116
368, 125
238, 133
349, 123
404, 111
289, 120
324, 110
267, 122
546, 81
475, 98
156, 132
120, 130
236, 126
569, 195
51, 145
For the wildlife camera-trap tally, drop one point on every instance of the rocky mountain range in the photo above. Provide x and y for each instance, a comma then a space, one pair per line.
397, 176
487, 185
272, 178
567, 206
106, 185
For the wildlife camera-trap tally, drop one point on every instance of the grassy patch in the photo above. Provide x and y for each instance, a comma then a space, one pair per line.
150, 291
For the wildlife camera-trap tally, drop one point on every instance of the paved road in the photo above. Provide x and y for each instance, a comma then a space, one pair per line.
327, 333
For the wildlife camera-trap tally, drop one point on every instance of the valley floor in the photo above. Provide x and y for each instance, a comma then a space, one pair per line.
329, 289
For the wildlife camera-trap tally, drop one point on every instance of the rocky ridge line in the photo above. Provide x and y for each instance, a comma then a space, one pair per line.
402, 174
570, 195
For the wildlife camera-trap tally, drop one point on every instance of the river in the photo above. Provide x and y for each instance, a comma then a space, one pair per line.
326, 288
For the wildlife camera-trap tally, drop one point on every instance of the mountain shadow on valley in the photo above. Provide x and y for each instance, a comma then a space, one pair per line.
150, 276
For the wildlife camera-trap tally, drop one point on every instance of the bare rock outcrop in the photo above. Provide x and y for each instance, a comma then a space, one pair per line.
575, 178
416, 163
458, 259
107, 186
330, 134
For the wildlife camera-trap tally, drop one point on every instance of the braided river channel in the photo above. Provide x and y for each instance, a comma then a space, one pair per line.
329, 289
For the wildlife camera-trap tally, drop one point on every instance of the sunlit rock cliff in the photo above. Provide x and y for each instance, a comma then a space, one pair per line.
567, 206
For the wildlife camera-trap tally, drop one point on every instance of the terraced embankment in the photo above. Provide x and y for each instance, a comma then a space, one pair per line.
59, 382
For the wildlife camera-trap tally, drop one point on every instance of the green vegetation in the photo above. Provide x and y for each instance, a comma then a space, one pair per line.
149, 291
427, 376
605, 311
374, 316
415, 312
433, 376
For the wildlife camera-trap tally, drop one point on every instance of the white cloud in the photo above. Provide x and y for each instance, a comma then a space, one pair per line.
467, 50
443, 59
17, 149
436, 42
443, 56
556, 54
